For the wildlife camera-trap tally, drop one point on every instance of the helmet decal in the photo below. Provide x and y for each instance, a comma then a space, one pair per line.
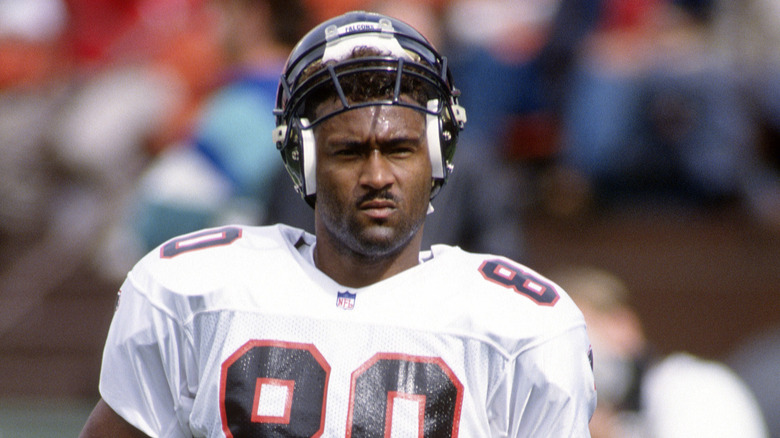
341, 41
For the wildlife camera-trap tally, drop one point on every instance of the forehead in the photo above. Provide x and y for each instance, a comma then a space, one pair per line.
379, 119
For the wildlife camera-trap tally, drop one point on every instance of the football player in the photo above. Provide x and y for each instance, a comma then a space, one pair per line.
268, 331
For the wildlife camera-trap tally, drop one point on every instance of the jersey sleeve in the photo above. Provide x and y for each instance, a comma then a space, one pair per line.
547, 390
143, 371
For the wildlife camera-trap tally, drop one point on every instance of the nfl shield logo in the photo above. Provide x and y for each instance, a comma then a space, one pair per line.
345, 300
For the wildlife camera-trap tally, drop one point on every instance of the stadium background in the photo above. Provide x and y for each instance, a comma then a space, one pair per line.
705, 278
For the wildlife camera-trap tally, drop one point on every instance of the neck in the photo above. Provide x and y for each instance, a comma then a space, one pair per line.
357, 270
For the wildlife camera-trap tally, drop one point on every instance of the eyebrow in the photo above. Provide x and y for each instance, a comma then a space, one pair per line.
399, 136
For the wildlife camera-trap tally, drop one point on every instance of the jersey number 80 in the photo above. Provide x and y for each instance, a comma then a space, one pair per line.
295, 376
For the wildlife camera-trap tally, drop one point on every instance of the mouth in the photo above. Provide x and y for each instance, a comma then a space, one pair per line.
378, 208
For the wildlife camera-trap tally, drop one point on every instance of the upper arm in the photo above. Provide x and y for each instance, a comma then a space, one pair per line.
103, 422
549, 389
143, 371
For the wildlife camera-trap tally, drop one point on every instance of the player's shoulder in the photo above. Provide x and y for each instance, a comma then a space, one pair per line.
508, 291
205, 260
495, 274
214, 244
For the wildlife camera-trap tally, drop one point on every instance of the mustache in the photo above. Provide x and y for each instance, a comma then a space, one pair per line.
378, 195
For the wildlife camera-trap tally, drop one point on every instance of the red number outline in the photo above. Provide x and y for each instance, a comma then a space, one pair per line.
268, 343
201, 240
524, 283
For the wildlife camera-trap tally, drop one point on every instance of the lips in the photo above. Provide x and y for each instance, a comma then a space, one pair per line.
378, 208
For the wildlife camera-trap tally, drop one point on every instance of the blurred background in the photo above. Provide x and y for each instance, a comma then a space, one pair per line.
640, 137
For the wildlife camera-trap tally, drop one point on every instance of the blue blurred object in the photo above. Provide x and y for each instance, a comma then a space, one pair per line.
234, 133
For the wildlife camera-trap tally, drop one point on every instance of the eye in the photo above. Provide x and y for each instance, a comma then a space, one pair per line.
402, 151
345, 150
402, 148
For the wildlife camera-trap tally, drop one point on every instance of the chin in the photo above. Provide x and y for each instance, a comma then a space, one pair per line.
379, 241
367, 238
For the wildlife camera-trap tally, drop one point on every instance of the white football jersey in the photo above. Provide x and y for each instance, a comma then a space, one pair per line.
233, 332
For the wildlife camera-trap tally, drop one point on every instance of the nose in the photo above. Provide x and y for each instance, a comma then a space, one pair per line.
376, 171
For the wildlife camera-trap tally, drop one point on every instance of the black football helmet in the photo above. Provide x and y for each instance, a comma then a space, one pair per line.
323, 58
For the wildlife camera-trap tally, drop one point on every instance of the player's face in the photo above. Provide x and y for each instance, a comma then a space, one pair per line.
373, 178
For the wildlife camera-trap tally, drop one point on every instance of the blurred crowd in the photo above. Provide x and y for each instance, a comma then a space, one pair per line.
126, 122
644, 393
146, 119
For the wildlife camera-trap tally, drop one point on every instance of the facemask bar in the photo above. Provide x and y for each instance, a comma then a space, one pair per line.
330, 76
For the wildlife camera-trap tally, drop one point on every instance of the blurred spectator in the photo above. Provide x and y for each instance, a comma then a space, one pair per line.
655, 109
321, 10
134, 82
161, 53
221, 169
70, 142
167, 45
97, 28
480, 208
424, 15
755, 360
643, 394
572, 23
512, 63
748, 32
493, 45
33, 86
34, 89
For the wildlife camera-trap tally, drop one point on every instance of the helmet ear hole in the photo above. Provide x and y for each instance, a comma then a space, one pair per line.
299, 156
453, 120
290, 150
442, 137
